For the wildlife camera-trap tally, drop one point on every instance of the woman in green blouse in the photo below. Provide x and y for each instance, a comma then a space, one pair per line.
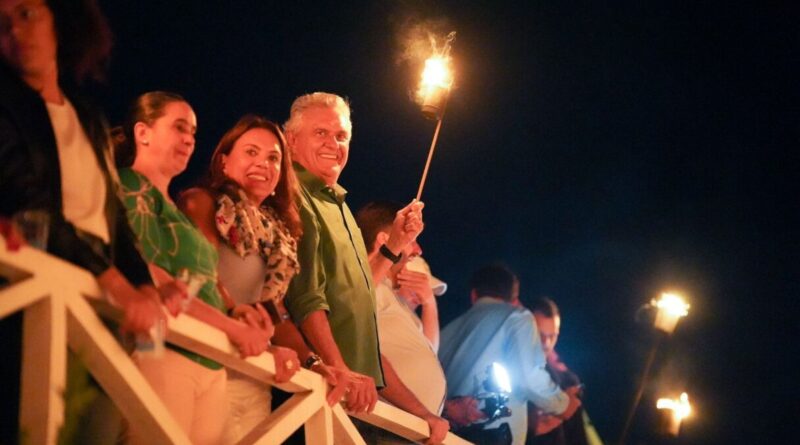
161, 128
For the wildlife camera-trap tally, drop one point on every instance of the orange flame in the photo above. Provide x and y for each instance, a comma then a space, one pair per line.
437, 73
681, 407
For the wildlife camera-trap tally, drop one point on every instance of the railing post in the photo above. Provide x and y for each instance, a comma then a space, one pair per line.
345, 433
44, 369
52, 292
110, 365
319, 427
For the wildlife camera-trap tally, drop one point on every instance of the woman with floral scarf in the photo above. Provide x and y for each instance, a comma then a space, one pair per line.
247, 208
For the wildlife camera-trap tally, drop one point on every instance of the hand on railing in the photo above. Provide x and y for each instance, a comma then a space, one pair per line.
439, 428
336, 380
360, 392
286, 363
173, 294
142, 309
250, 340
248, 313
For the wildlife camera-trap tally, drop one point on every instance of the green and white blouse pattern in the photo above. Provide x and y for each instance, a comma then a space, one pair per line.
168, 239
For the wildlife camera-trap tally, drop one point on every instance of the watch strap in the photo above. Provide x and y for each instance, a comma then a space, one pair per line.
388, 254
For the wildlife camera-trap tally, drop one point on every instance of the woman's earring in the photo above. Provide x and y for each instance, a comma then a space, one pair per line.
273, 193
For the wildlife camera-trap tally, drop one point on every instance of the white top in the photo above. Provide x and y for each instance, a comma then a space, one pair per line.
407, 348
83, 187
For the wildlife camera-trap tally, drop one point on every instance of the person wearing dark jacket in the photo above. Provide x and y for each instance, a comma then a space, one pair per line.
54, 156
545, 429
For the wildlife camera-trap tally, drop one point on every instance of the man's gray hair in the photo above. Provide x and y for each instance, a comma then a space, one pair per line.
318, 99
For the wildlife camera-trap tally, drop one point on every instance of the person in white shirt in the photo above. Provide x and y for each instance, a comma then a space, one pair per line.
402, 335
419, 289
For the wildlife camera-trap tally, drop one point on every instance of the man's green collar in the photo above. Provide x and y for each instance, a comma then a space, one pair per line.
316, 185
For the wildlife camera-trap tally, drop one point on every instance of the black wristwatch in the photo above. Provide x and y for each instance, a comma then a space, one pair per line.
389, 254
312, 360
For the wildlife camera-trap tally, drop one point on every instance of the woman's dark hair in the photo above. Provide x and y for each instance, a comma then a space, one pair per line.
146, 108
84, 39
284, 201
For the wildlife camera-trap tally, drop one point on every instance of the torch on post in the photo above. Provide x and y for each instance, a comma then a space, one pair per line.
673, 411
670, 307
434, 92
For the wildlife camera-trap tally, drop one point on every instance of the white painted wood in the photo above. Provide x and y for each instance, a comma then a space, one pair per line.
44, 370
10, 273
117, 374
192, 334
38, 274
396, 420
285, 420
400, 422
319, 427
22, 294
344, 432
53, 271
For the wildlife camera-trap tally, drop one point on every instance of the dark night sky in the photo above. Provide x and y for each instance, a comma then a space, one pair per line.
603, 150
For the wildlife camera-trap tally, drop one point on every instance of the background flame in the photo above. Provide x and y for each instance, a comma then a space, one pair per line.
680, 406
673, 303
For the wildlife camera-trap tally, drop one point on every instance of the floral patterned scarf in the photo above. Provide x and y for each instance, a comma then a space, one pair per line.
249, 229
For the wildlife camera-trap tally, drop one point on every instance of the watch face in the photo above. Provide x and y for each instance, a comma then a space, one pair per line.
312, 360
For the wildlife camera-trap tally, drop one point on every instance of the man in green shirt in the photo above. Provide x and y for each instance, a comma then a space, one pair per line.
332, 299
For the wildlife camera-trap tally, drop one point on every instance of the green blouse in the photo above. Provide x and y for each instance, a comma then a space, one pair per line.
171, 241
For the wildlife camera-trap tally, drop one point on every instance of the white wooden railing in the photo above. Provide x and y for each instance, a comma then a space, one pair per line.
56, 295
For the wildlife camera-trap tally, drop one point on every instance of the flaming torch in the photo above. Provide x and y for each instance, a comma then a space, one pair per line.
670, 307
675, 411
434, 90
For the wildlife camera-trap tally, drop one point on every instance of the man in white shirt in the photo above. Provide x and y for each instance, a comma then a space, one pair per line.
494, 331
419, 290
401, 333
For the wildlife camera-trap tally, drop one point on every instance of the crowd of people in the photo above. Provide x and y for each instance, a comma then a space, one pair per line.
283, 264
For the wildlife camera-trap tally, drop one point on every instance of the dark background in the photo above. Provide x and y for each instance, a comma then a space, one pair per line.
605, 151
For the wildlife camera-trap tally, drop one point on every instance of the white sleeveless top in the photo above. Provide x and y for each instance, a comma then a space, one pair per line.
83, 187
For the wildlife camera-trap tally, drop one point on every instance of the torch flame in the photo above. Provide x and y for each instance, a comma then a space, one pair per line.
680, 407
436, 73
673, 304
